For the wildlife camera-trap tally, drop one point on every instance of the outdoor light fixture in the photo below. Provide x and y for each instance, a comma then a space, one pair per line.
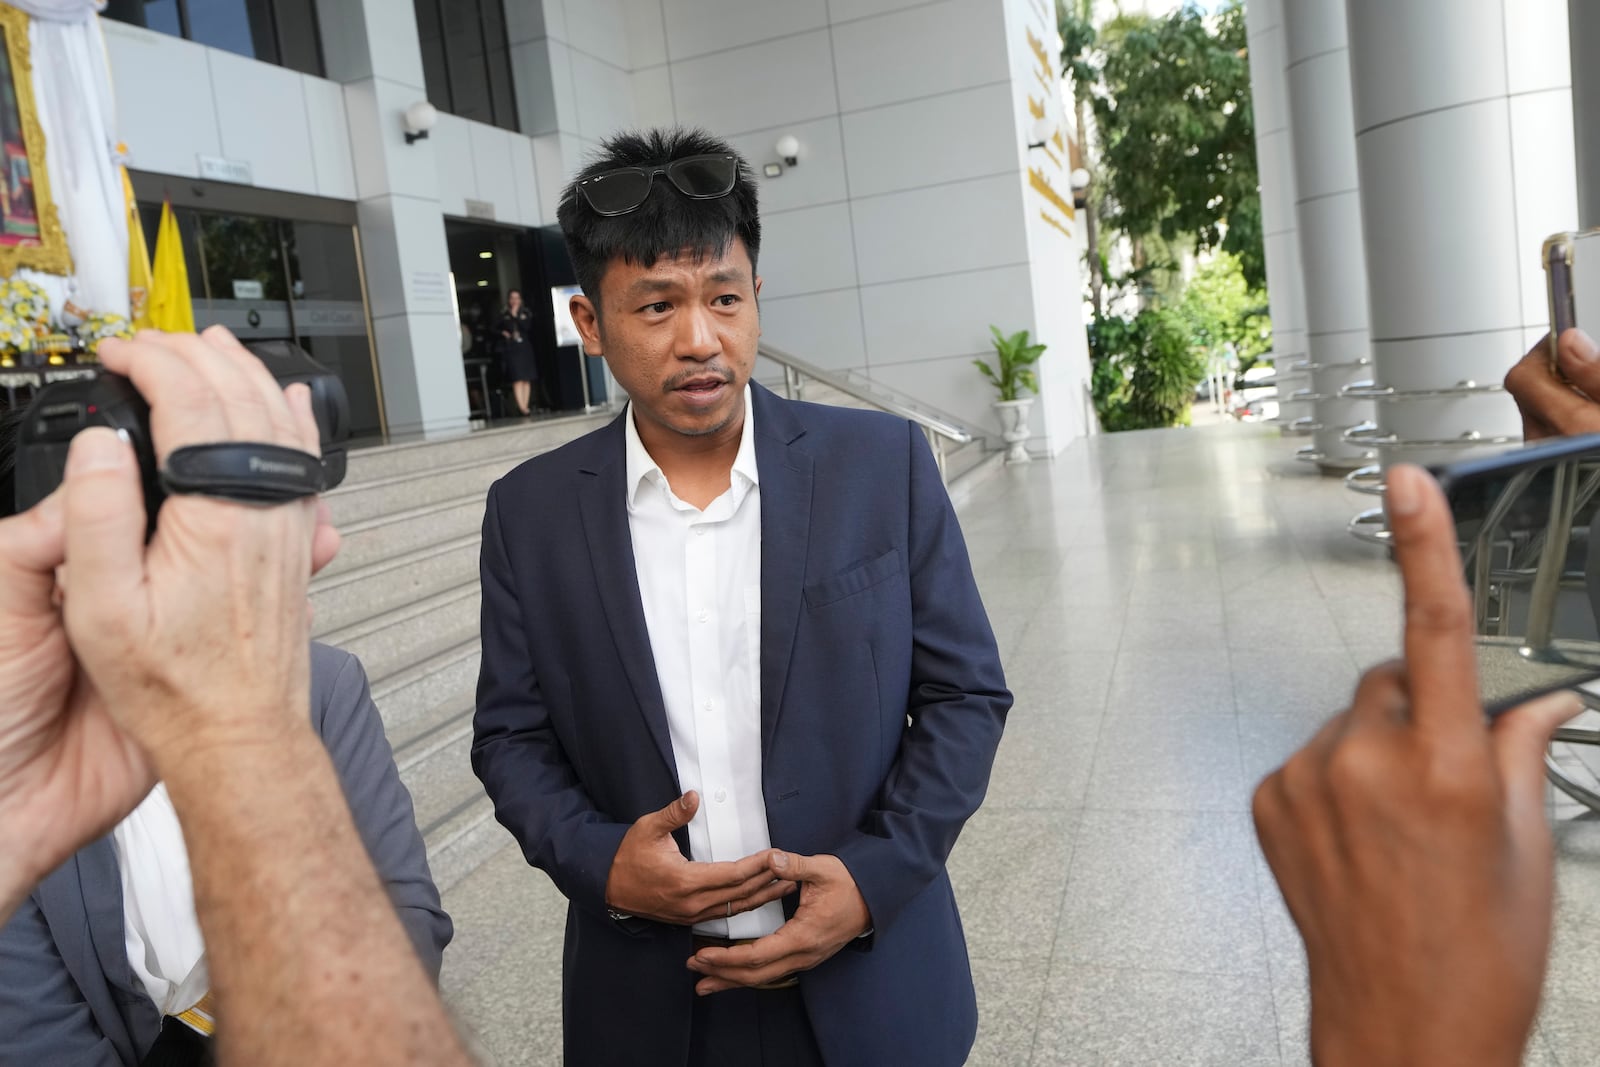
485, 255
1039, 133
1081, 178
789, 149
418, 120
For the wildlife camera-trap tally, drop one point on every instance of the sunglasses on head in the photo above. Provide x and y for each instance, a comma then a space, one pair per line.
617, 192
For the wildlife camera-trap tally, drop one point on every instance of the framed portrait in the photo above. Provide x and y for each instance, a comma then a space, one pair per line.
31, 234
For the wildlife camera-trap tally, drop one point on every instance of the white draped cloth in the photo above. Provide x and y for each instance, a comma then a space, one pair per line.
163, 940
72, 88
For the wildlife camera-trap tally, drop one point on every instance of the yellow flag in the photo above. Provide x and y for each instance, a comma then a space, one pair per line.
138, 261
170, 307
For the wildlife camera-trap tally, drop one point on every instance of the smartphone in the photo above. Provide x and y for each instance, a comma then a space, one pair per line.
1572, 271
1528, 522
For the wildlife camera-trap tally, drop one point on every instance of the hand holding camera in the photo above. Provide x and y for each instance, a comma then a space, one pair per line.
199, 633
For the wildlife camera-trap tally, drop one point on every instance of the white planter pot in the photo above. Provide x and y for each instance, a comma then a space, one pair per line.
1014, 428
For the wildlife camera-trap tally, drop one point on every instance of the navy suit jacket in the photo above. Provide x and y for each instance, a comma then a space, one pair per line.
882, 703
68, 995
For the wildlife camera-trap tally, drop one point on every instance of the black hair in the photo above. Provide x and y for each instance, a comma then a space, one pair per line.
10, 422
667, 223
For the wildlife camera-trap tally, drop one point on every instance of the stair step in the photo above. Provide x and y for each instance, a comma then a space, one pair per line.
397, 533
397, 460
437, 768
459, 843
408, 696
346, 599
385, 643
370, 500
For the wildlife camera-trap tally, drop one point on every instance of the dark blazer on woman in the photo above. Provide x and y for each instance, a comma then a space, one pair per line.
518, 355
68, 995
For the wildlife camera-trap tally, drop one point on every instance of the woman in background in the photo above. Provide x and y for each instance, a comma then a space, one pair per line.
516, 347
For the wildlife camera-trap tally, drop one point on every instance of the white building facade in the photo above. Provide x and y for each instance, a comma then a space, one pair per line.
917, 215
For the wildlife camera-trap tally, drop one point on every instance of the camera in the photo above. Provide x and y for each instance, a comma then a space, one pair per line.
62, 409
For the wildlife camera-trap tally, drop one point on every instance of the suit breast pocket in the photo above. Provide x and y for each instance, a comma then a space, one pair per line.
855, 580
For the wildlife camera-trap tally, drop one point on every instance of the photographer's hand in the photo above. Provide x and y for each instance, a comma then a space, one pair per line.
200, 642
68, 772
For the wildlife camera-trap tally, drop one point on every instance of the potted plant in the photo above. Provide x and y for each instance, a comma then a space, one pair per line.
1014, 375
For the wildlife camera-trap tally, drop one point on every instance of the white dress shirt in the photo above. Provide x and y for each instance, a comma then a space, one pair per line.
162, 934
700, 582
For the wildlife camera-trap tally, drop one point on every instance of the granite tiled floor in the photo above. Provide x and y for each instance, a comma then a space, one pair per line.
1177, 611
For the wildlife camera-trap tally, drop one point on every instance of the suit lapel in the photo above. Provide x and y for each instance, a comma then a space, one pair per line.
786, 477
602, 503
100, 886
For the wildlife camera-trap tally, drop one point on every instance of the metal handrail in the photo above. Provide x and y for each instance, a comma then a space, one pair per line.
939, 431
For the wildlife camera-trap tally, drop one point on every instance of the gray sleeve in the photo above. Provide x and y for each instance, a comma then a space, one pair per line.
44, 1017
353, 733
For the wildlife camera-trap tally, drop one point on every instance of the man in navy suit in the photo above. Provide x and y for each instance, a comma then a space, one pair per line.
738, 692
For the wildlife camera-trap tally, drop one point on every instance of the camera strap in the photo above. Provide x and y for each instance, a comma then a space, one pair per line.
245, 471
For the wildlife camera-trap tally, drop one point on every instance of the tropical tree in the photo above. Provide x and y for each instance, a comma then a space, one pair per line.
1171, 101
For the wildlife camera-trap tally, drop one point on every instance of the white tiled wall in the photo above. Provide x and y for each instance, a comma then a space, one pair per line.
941, 229
758, 86
821, 328
808, 250
700, 27
920, 51
896, 147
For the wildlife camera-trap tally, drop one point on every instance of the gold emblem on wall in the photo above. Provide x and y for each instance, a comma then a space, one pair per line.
31, 234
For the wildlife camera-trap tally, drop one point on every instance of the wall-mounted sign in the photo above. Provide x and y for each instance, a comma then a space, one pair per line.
429, 291
218, 169
480, 209
247, 289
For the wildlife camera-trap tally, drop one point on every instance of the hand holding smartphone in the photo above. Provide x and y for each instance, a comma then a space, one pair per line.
1528, 521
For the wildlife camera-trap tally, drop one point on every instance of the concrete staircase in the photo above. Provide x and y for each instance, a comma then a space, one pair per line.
403, 596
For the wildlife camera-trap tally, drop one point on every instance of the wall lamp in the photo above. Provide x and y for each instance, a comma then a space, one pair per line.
1081, 180
788, 147
418, 119
1039, 133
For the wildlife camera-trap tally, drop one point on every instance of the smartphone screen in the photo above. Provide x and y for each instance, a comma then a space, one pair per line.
1528, 522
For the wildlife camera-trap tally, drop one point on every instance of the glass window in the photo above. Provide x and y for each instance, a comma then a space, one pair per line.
466, 60
436, 75
497, 57
243, 257
299, 42
469, 76
283, 32
162, 15
240, 26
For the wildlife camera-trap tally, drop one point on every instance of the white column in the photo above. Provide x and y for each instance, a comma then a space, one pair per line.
1467, 165
1328, 211
373, 50
1583, 18
1286, 288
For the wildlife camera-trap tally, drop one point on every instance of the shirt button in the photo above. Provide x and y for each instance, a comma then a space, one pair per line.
699, 531
704, 615
706, 705
721, 795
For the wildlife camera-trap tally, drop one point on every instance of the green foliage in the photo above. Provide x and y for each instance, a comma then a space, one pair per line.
1223, 310
1177, 130
1144, 369
1016, 358
1075, 22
